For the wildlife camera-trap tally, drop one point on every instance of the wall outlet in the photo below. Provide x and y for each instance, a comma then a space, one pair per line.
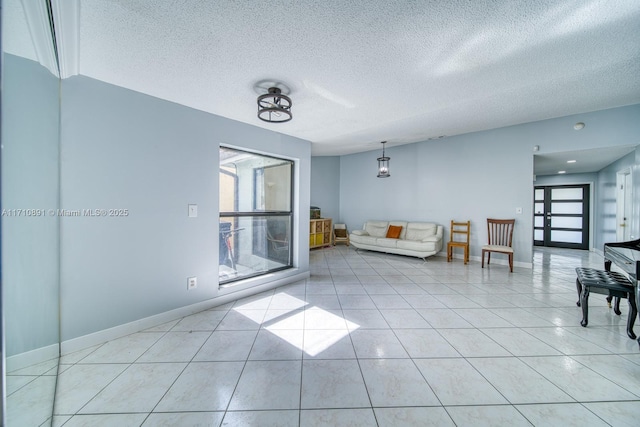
192, 283
193, 211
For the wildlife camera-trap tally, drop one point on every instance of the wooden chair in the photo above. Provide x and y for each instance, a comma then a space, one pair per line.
459, 238
340, 234
500, 235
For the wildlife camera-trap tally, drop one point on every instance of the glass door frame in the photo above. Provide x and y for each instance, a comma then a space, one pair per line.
545, 216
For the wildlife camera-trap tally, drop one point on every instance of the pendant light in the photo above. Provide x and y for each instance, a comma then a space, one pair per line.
383, 164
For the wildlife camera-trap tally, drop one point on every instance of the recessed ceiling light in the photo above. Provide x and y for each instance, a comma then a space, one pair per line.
578, 126
562, 172
571, 161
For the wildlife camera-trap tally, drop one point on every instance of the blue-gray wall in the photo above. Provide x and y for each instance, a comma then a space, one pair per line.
606, 200
475, 176
30, 160
566, 179
125, 150
325, 185
470, 177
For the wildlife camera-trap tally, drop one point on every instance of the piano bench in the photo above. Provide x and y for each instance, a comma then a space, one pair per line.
608, 283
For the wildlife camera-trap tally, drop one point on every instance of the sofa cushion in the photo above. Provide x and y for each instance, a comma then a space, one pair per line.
387, 243
402, 224
365, 240
420, 230
393, 232
413, 245
376, 228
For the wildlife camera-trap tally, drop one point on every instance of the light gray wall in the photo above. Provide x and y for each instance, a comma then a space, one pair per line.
125, 150
474, 176
606, 200
462, 178
30, 166
325, 185
566, 179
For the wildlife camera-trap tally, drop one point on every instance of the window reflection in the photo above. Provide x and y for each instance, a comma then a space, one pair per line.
255, 215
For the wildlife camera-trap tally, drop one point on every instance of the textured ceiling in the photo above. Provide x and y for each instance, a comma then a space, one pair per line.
365, 71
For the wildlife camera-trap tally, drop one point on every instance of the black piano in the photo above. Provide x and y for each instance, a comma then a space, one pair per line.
625, 255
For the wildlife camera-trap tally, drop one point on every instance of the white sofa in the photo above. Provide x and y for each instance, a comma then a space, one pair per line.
419, 239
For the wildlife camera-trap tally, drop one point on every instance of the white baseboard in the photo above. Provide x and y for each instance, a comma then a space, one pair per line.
32, 357
100, 337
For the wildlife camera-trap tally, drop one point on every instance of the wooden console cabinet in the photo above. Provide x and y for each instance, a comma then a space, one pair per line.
320, 232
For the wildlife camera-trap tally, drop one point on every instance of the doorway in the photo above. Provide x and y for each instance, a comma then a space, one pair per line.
561, 216
623, 205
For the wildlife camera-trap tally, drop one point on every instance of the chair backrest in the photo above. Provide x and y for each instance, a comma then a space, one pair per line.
460, 231
500, 231
340, 231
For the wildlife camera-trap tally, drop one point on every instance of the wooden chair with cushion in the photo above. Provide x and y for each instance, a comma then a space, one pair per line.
459, 238
500, 235
340, 234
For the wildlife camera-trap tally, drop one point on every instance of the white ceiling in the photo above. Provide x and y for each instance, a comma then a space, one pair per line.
586, 161
363, 71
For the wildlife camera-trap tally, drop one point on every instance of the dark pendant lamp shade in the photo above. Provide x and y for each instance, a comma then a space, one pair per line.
274, 106
383, 164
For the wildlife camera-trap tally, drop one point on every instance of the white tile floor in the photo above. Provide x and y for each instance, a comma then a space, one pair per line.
373, 340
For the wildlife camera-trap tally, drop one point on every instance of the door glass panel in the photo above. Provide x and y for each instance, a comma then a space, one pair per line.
539, 194
538, 221
566, 236
538, 235
566, 222
566, 208
566, 194
539, 208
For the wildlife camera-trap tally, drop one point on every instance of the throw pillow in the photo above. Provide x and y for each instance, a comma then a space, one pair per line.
394, 231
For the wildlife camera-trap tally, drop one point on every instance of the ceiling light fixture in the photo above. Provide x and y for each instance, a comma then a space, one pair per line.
578, 126
561, 172
383, 164
571, 161
274, 106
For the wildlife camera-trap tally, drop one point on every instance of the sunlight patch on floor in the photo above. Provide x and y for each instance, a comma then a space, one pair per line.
327, 329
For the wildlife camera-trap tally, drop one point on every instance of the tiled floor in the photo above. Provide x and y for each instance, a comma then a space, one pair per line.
374, 340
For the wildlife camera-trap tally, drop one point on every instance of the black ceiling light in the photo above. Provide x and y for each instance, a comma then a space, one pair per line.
274, 106
383, 164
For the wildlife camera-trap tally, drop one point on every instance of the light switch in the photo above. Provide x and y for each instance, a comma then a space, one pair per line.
519, 211
193, 211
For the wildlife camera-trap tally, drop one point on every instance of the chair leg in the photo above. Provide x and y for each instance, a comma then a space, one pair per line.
633, 312
466, 254
579, 288
449, 253
483, 251
511, 262
584, 303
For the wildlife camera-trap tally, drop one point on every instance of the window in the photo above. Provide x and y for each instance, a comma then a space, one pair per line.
255, 215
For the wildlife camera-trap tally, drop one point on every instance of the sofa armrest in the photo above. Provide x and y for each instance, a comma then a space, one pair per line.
360, 233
